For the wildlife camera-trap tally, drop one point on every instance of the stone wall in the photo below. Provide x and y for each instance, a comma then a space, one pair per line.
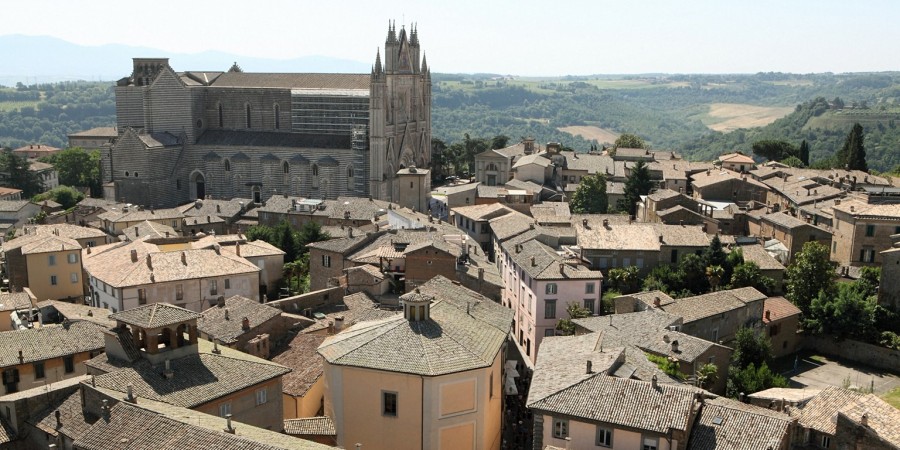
311, 300
856, 351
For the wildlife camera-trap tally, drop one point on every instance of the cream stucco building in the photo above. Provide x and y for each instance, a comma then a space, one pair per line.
430, 379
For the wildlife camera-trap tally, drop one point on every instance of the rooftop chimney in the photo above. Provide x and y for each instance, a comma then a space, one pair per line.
533, 262
767, 315
134, 255
338, 324
864, 419
130, 397
228, 428
584, 223
589, 367
58, 416
21, 358
149, 262
653, 383
168, 372
675, 346
245, 323
605, 223
135, 231
661, 239
656, 302
226, 314
216, 347
104, 409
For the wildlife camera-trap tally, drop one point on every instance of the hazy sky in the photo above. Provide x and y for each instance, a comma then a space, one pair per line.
521, 37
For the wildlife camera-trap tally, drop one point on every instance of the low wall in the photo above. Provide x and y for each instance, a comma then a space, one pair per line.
311, 300
856, 351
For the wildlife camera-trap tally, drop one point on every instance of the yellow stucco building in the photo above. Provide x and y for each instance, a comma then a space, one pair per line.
429, 379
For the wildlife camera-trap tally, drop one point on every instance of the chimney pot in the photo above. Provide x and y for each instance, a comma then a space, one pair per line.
21, 358
657, 302
134, 256
589, 367
767, 314
58, 416
228, 428
653, 382
675, 346
245, 323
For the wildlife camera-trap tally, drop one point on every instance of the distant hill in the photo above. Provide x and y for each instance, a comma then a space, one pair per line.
42, 59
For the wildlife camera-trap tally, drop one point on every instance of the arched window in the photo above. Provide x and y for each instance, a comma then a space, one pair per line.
350, 180
221, 117
315, 176
249, 122
315, 170
491, 167
286, 168
228, 165
278, 117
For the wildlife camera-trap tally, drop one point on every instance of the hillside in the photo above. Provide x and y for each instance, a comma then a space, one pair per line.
701, 116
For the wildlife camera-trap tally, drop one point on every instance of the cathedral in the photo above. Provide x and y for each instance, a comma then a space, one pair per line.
235, 134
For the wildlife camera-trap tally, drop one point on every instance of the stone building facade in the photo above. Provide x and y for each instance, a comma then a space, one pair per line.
189, 135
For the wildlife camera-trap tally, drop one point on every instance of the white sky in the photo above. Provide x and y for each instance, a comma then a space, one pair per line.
523, 37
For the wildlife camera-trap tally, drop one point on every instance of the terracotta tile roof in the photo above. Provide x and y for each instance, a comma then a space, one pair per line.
41, 243
528, 186
49, 341
725, 424
647, 330
133, 427
623, 402
134, 215
97, 132
551, 212
539, 159
883, 420
75, 423
74, 311
7, 434
482, 212
509, 225
306, 364
310, 426
777, 308
214, 322
148, 229
859, 209
452, 340
198, 378
736, 157
713, 177
757, 254
618, 234
13, 205
220, 208
701, 306
154, 315
354, 308
819, 413
293, 80
66, 230
10, 301
543, 263
114, 265
792, 395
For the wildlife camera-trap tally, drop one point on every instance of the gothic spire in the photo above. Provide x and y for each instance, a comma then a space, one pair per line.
391, 37
424, 63
414, 35
378, 61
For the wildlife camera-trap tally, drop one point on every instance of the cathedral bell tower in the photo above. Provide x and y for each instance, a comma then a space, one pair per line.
399, 111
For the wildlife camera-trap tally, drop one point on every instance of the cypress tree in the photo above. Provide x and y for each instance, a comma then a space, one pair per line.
804, 153
856, 159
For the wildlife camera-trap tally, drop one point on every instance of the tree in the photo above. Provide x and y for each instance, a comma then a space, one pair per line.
747, 274
625, 279
750, 348
812, 271
628, 140
310, 232
715, 255
793, 161
692, 272
565, 326
64, 195
847, 314
774, 150
707, 375
590, 196
77, 167
852, 155
714, 275
18, 174
637, 184
499, 141
752, 379
804, 153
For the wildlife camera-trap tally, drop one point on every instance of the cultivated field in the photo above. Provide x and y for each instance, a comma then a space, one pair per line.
727, 117
591, 133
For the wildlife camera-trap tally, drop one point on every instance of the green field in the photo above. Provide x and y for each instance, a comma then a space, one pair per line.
893, 398
12, 106
843, 120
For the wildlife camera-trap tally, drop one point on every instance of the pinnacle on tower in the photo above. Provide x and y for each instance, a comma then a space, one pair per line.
424, 63
378, 61
414, 35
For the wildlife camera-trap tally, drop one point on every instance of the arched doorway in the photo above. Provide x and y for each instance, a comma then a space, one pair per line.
198, 186
257, 194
